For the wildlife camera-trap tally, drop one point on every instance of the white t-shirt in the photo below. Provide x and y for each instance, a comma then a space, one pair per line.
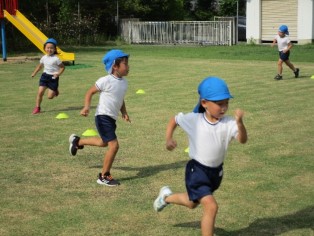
112, 91
282, 42
51, 64
208, 142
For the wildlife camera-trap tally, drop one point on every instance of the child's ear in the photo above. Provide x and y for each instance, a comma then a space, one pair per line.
203, 103
114, 67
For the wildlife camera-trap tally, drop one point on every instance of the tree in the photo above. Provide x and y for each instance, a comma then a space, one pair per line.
229, 7
204, 10
93, 21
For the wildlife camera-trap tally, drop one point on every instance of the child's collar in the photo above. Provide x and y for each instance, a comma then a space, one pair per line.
115, 77
210, 122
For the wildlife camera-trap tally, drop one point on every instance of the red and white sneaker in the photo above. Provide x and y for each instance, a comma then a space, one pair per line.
36, 110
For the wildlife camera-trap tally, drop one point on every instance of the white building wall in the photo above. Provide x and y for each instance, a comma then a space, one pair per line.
305, 21
253, 21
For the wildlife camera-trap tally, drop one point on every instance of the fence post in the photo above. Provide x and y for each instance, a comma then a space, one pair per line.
230, 38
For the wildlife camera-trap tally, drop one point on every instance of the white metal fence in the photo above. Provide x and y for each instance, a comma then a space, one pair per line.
177, 32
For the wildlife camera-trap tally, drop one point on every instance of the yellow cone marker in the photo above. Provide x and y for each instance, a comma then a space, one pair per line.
90, 133
140, 91
312, 77
187, 150
62, 116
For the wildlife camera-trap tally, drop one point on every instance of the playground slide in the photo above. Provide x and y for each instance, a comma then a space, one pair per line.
34, 34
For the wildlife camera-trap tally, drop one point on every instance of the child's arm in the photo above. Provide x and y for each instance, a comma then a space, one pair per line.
242, 135
170, 142
273, 43
88, 100
125, 115
288, 48
62, 68
38, 68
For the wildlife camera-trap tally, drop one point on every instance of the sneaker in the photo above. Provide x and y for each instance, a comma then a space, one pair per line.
296, 73
73, 140
278, 77
160, 203
36, 110
107, 180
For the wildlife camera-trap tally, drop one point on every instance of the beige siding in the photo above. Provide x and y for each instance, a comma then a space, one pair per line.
276, 13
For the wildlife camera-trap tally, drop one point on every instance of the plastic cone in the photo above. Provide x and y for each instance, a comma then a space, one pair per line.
187, 150
62, 116
312, 77
90, 133
140, 91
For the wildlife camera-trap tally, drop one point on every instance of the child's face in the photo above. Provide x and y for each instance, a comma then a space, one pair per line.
281, 34
215, 110
50, 48
122, 69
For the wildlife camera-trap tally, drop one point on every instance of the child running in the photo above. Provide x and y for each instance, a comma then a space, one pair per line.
112, 89
284, 47
209, 132
53, 68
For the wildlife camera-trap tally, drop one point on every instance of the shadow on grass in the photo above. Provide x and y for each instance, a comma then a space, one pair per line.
78, 108
143, 172
303, 219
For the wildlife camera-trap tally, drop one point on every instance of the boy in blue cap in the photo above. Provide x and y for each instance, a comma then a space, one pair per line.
112, 89
209, 132
284, 47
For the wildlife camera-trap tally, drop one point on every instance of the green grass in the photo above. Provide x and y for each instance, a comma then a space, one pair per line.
268, 183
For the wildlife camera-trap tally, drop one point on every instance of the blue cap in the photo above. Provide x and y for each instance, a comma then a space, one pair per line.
51, 40
284, 29
212, 89
110, 57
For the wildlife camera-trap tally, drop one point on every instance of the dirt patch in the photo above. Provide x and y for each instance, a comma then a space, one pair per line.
20, 59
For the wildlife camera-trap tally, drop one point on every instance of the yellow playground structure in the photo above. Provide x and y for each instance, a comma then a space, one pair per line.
33, 33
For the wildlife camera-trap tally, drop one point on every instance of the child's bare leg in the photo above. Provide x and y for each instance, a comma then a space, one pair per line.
40, 94
93, 141
51, 94
210, 209
113, 147
291, 66
181, 199
279, 66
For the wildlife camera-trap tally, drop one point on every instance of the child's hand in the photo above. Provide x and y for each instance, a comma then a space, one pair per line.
84, 111
126, 117
238, 114
171, 144
55, 75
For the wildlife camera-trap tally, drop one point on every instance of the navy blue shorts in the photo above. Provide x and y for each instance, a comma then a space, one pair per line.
284, 56
201, 180
47, 81
106, 127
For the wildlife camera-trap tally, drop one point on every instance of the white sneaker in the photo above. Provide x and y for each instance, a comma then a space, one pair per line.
160, 203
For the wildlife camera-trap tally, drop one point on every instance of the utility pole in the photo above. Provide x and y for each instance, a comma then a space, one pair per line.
237, 21
117, 17
47, 12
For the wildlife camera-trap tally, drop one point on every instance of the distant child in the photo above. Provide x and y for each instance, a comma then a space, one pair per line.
53, 68
284, 46
112, 89
209, 132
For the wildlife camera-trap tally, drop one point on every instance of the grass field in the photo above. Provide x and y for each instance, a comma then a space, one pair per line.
268, 183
